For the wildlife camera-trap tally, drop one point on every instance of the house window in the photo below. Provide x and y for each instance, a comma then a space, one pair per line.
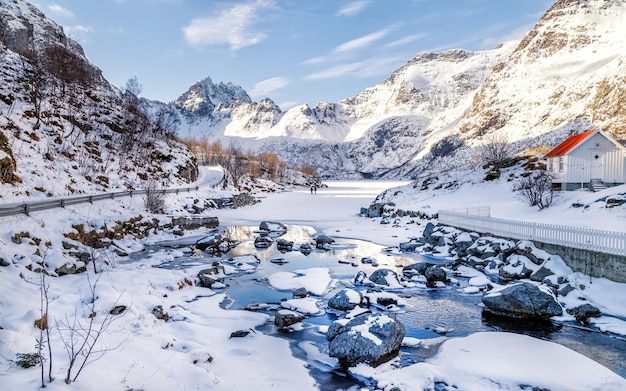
560, 163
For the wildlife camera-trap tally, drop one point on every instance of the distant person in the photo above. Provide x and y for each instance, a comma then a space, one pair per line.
315, 189
311, 189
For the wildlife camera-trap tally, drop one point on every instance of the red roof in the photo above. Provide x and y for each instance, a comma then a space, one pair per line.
569, 144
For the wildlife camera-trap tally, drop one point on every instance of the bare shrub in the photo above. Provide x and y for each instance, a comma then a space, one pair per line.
496, 151
536, 188
81, 337
155, 198
308, 169
44, 327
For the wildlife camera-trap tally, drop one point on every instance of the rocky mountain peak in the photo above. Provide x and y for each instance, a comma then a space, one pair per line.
25, 29
205, 96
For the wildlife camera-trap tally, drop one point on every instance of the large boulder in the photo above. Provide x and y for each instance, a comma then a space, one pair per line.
385, 277
345, 300
71, 268
523, 300
516, 267
582, 313
273, 226
428, 231
210, 241
285, 318
409, 247
284, 245
306, 248
487, 247
262, 242
530, 251
541, 274
435, 274
366, 338
215, 244
415, 269
210, 276
323, 242
463, 241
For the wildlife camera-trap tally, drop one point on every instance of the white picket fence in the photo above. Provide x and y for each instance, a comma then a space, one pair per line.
582, 238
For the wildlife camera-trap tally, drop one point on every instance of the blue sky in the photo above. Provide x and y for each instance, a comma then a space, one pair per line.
293, 51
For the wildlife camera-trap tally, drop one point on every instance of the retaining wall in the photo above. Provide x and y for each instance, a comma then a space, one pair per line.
592, 263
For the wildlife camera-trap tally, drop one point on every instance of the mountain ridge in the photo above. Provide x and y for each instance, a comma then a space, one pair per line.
562, 77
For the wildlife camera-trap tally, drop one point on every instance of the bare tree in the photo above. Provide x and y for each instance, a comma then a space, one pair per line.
269, 164
44, 330
81, 340
133, 86
236, 164
309, 170
155, 198
43, 341
496, 151
536, 188
67, 67
36, 81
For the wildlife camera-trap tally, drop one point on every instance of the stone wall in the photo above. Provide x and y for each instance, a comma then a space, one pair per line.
595, 264
195, 222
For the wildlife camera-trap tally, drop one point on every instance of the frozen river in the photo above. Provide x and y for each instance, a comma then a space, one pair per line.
334, 212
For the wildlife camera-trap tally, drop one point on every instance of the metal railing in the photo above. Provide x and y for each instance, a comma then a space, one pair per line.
28, 207
609, 242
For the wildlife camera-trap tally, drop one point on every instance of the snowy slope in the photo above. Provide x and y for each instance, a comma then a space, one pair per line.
571, 65
65, 130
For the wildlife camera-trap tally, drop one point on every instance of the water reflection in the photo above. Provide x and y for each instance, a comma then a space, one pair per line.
426, 311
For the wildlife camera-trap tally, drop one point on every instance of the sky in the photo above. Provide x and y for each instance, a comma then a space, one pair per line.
293, 52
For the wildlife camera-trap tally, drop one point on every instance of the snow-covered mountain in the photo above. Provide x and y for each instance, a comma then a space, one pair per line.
364, 136
63, 128
571, 65
564, 76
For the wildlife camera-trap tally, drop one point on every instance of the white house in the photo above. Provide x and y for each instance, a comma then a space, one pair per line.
591, 159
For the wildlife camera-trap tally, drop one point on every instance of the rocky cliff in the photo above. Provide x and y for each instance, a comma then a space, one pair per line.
63, 128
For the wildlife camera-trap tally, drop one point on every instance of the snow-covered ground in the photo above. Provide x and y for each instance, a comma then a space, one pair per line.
193, 349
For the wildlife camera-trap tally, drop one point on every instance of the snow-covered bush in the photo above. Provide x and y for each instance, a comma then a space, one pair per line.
535, 188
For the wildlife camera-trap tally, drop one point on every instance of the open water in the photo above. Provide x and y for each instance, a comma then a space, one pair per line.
426, 313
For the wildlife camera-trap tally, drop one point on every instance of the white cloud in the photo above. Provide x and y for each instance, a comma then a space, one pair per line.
315, 60
58, 10
233, 26
265, 87
78, 33
353, 8
78, 29
360, 69
362, 42
406, 40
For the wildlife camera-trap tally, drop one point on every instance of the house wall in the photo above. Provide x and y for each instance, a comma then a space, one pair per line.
581, 164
